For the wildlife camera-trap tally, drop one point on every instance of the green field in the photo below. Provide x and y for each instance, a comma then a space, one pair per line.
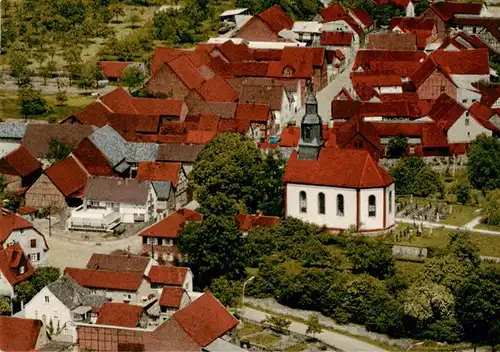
249, 329
461, 215
264, 339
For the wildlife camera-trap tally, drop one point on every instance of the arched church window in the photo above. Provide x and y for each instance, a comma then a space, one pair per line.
340, 205
372, 206
390, 202
321, 203
303, 202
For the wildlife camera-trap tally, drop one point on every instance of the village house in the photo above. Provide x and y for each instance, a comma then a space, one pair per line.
171, 276
160, 239
11, 135
113, 70
425, 30
336, 188
234, 16
17, 334
121, 262
116, 286
15, 230
246, 222
109, 201
266, 26
307, 31
121, 314
183, 153
19, 169
391, 41
14, 269
172, 299
61, 304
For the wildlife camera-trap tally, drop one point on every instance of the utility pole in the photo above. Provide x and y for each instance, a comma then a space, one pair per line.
50, 227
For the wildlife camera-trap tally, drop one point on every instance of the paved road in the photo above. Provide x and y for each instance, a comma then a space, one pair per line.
342, 342
450, 227
471, 224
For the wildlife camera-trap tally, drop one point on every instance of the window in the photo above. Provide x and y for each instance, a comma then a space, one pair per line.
442, 88
33, 243
303, 202
47, 300
321, 203
372, 206
22, 269
390, 202
152, 240
474, 100
168, 242
340, 205
307, 132
467, 122
358, 144
468, 134
34, 257
127, 297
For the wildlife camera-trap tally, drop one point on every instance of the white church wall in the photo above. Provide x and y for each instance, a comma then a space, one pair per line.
371, 222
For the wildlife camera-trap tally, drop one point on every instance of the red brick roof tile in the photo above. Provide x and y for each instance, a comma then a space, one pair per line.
171, 297
11, 260
113, 69
159, 171
247, 222
399, 3
94, 162
186, 71
290, 137
19, 162
162, 56
447, 10
168, 275
392, 41
366, 58
235, 52
433, 137
172, 225
200, 137
17, 334
105, 279
336, 38
10, 222
217, 90
119, 314
208, 122
337, 168
356, 125
482, 113
94, 114
446, 111
67, 176
375, 80
205, 319
463, 62
362, 16
332, 13
276, 19
252, 112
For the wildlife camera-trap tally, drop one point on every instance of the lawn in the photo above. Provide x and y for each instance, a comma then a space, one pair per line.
9, 106
487, 244
461, 215
408, 269
297, 348
488, 227
264, 339
249, 329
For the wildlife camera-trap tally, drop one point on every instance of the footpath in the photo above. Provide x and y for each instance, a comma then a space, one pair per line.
467, 227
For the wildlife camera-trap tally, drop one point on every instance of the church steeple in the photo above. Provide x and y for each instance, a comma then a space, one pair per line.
310, 142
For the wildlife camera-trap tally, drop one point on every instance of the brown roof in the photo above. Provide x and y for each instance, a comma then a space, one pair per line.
12, 259
119, 314
105, 279
118, 262
266, 95
67, 176
205, 319
168, 275
392, 41
116, 189
37, 137
276, 19
19, 162
171, 297
18, 334
159, 171
172, 225
178, 152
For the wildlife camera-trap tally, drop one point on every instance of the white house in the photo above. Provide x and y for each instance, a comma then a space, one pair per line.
171, 276
109, 201
15, 229
336, 188
62, 303
14, 269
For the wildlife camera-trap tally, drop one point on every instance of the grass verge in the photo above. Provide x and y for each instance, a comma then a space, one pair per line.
249, 329
297, 348
264, 339
461, 215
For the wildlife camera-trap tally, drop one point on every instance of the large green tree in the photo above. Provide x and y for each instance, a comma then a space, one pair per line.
372, 258
491, 208
233, 170
213, 249
483, 167
44, 276
396, 147
413, 176
133, 77
31, 102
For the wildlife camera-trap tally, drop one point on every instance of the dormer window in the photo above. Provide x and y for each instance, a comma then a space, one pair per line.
22, 269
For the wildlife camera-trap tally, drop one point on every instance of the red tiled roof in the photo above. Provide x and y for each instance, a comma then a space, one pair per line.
18, 334
392, 41
10, 222
11, 259
366, 58
162, 56
336, 38
433, 137
337, 168
267, 54
172, 225
249, 69
93, 114
217, 90
67, 176
446, 111
447, 10
235, 52
19, 162
482, 113
27, 210
409, 24
167, 275
463, 62
290, 137
205, 319
375, 80
399, 3
343, 92
247, 222
171, 297
332, 13
339, 55
389, 129
208, 122
119, 314
159, 171
362, 16
104, 279
186, 71
276, 19
113, 69
94, 162
118, 101
356, 125
252, 112
423, 72
200, 137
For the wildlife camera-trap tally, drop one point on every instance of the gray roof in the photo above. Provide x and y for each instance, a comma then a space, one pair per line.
72, 295
137, 152
116, 189
111, 144
12, 130
220, 345
162, 189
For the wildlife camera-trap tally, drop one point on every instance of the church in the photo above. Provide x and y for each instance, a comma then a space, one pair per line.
333, 187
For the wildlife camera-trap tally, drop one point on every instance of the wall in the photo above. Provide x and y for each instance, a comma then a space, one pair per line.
409, 251
256, 30
461, 133
365, 145
7, 146
410, 10
6, 288
23, 237
390, 217
431, 88
119, 296
165, 81
43, 194
377, 221
37, 308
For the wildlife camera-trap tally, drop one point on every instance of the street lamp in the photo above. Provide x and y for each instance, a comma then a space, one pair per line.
243, 291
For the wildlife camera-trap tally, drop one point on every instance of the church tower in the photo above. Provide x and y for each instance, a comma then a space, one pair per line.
310, 142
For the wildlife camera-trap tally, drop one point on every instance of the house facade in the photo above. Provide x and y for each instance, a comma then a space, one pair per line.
14, 269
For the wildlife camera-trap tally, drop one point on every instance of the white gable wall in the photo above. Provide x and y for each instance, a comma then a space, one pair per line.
6, 288
466, 129
24, 237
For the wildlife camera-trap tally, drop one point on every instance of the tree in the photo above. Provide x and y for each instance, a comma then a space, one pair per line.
25, 291
313, 326
396, 147
58, 150
44, 276
491, 208
134, 19
4, 306
228, 292
11, 201
61, 98
133, 77
372, 258
421, 6
426, 301
31, 102
478, 307
117, 11
233, 166
462, 191
18, 62
213, 249
413, 176
483, 167
277, 323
